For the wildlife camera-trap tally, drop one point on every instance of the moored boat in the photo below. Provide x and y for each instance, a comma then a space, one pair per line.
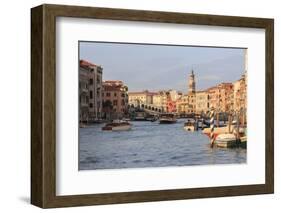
243, 142
117, 125
167, 118
218, 130
227, 140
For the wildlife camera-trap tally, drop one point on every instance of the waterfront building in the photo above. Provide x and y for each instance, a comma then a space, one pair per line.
186, 104
138, 98
202, 102
160, 100
240, 94
181, 104
90, 85
240, 88
221, 97
114, 99
191, 107
172, 97
83, 95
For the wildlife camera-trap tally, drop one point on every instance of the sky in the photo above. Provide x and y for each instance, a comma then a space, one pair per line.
163, 67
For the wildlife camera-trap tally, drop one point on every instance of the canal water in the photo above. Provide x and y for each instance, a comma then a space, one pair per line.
150, 144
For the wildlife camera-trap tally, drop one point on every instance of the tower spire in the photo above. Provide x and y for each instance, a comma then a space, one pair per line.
191, 82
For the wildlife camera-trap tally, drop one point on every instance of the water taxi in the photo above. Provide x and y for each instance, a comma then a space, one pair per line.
167, 118
117, 125
190, 125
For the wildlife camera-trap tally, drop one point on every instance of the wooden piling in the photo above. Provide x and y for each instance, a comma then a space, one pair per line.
229, 122
243, 118
218, 119
237, 126
212, 126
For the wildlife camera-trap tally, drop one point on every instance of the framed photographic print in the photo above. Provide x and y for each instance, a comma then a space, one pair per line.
136, 106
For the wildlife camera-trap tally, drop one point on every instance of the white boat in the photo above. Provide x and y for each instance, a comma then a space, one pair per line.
190, 125
167, 118
218, 130
226, 140
117, 125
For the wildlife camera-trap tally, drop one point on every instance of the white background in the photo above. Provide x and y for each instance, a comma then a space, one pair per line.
70, 181
15, 106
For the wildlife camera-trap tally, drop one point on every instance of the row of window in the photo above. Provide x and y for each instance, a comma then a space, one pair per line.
91, 104
91, 81
108, 94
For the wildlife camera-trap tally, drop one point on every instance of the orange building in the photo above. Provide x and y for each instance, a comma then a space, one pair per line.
221, 97
115, 99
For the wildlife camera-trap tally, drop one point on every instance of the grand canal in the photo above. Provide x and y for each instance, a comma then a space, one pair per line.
150, 144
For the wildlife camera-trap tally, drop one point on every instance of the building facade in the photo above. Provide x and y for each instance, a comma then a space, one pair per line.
240, 94
90, 85
137, 98
186, 104
172, 97
114, 99
202, 102
160, 100
83, 95
221, 97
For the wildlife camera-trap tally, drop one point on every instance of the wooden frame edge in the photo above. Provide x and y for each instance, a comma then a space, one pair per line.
43, 173
36, 106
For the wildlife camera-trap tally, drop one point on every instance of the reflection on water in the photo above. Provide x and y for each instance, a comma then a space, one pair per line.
149, 144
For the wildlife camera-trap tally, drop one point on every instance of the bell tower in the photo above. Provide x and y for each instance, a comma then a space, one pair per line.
191, 82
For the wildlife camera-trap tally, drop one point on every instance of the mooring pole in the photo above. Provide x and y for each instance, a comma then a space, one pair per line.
229, 122
243, 118
238, 125
218, 118
212, 126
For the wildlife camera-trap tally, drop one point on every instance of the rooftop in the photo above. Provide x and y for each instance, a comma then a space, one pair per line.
85, 63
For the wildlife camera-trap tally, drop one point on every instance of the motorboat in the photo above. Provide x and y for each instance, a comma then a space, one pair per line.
227, 140
117, 125
151, 118
190, 125
167, 118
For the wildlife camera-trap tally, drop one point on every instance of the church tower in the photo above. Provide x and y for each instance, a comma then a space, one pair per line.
191, 83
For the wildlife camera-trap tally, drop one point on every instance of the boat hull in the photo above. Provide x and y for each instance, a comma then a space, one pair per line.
217, 131
117, 128
226, 143
166, 121
189, 128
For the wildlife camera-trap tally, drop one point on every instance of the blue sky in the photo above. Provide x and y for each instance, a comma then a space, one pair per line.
158, 67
